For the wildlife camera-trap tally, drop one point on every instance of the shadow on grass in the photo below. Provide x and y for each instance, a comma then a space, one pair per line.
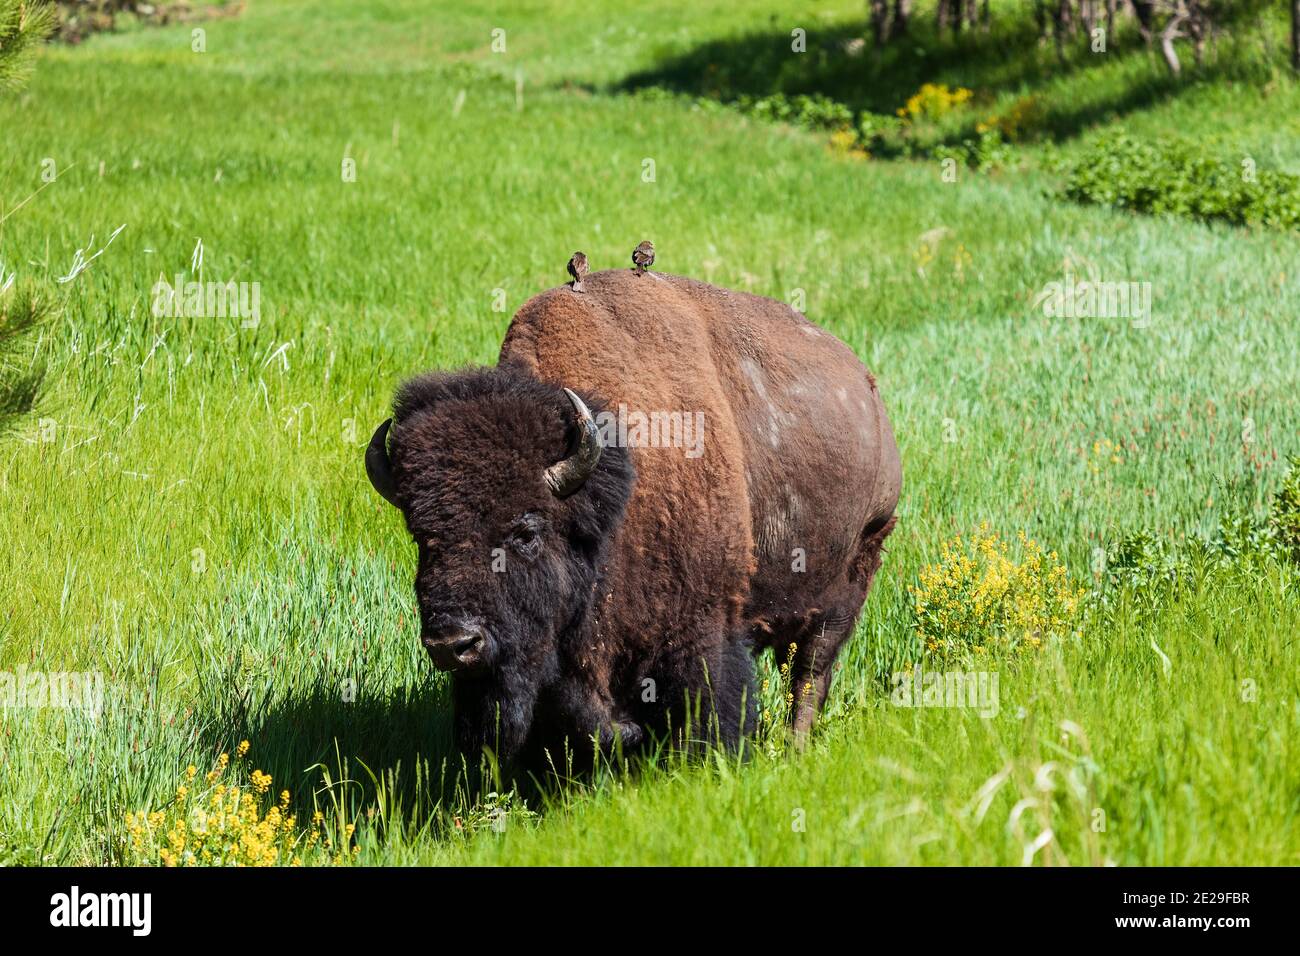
395, 753
1007, 59
394, 750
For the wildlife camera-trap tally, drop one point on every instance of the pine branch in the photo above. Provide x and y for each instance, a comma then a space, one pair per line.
24, 25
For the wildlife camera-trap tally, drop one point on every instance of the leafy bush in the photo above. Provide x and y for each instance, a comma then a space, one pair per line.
1284, 515
1152, 571
882, 134
1145, 568
916, 131
1021, 120
814, 112
1183, 179
912, 133
845, 142
979, 598
988, 151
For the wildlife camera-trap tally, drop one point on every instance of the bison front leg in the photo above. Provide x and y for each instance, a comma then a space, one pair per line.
705, 698
496, 714
595, 718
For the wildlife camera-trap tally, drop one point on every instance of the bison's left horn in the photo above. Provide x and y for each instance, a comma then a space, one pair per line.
378, 467
567, 475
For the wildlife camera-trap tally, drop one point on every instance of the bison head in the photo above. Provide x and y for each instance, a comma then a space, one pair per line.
512, 504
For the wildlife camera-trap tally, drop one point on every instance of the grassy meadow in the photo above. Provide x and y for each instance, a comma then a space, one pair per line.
187, 512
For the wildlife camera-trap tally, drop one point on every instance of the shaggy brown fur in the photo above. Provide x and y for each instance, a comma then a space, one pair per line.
634, 603
775, 532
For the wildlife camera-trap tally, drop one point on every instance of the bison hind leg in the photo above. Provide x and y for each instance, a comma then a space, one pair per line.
816, 649
819, 641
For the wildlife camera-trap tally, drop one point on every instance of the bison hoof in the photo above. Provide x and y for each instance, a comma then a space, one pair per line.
625, 731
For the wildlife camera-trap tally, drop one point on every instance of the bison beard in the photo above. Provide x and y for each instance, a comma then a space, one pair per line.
581, 595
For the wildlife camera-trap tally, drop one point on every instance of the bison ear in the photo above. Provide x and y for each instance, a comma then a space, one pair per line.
569, 474
378, 466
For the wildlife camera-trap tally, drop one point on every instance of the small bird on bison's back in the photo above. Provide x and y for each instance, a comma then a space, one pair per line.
578, 269
643, 257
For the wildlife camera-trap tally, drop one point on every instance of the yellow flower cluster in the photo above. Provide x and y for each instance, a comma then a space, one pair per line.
932, 101
1104, 451
775, 703
926, 254
1020, 120
229, 825
979, 598
844, 142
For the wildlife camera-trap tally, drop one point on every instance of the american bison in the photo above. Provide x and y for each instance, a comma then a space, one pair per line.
583, 582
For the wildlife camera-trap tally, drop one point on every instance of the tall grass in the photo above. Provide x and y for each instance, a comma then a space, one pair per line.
197, 527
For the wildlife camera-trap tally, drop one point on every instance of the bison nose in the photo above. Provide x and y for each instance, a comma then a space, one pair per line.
459, 649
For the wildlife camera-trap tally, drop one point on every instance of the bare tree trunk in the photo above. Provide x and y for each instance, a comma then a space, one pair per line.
986, 19
879, 21
1144, 10
1295, 35
902, 18
1062, 26
942, 14
1171, 32
1198, 28
1087, 17
1110, 20
1043, 20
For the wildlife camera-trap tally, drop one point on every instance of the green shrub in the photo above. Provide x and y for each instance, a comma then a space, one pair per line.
1183, 179
883, 135
814, 112
987, 151
1152, 571
1284, 515
1023, 119
913, 133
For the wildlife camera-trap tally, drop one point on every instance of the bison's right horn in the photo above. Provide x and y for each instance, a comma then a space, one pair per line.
378, 467
568, 475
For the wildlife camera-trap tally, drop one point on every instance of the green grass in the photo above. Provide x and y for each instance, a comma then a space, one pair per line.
178, 435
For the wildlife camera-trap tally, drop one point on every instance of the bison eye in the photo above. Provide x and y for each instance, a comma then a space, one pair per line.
525, 536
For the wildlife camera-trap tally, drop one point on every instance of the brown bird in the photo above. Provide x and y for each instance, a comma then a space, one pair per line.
643, 257
578, 269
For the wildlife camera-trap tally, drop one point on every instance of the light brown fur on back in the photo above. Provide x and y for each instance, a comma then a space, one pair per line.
769, 530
